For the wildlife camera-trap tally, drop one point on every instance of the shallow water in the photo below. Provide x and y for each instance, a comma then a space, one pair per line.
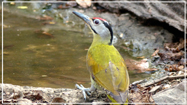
34, 59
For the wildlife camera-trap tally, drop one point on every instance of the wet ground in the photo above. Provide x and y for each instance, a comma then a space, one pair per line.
53, 55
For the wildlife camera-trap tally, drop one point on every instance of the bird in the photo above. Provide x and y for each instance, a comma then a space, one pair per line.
106, 66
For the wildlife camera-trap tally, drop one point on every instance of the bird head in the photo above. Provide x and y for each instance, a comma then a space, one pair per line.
100, 28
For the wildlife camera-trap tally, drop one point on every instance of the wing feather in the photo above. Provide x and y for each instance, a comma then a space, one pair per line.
110, 74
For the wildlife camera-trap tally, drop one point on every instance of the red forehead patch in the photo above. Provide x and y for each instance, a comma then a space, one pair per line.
99, 18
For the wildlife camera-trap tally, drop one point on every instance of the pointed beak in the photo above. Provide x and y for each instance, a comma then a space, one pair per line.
86, 18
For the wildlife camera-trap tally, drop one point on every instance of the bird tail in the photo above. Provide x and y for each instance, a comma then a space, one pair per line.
122, 98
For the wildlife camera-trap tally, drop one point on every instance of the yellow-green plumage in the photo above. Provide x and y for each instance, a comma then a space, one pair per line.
107, 67
98, 59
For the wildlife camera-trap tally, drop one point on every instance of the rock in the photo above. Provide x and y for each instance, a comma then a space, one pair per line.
138, 82
27, 94
84, 3
154, 89
24, 101
95, 102
170, 13
166, 86
175, 94
58, 100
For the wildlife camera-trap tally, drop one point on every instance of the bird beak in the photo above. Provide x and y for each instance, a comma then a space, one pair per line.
87, 19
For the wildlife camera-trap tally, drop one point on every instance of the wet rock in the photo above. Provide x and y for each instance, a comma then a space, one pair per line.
174, 94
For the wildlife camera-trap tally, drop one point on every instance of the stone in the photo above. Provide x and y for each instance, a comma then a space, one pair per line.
175, 95
154, 89
170, 13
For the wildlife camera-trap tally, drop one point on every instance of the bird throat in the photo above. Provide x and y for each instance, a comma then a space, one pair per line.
100, 40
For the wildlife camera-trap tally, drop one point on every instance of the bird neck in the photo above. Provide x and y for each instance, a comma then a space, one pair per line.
100, 40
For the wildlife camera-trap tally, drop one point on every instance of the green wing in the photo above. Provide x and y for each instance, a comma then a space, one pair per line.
108, 69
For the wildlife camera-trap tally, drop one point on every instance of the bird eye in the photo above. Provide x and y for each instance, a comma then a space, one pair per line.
96, 21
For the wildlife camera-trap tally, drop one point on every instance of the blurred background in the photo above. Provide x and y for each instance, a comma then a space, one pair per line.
45, 45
